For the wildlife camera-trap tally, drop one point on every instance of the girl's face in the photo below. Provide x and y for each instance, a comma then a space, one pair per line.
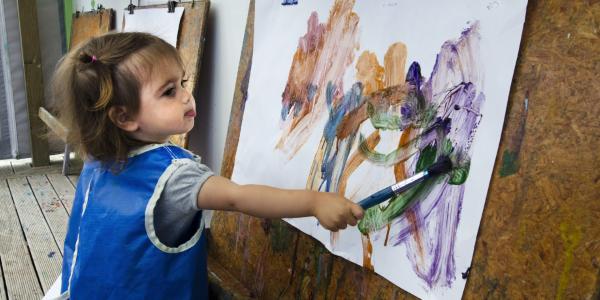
166, 107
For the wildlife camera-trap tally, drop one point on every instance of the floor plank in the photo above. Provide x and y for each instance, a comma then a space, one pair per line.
21, 165
17, 267
6, 168
43, 247
64, 188
74, 179
52, 208
3, 295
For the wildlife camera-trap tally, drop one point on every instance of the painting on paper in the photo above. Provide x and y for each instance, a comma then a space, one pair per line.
352, 96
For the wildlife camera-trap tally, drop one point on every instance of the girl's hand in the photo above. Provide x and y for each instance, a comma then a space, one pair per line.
335, 212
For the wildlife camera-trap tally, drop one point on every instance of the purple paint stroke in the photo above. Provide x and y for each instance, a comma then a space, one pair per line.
454, 89
438, 208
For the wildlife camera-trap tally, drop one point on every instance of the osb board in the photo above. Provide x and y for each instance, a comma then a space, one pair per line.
190, 43
539, 237
90, 24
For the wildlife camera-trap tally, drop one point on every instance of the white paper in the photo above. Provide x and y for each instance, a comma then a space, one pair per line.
475, 43
156, 21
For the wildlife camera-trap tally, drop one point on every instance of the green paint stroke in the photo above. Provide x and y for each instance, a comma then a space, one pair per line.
281, 236
383, 121
510, 163
571, 235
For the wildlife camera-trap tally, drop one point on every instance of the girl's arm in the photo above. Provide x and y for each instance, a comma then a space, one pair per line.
333, 211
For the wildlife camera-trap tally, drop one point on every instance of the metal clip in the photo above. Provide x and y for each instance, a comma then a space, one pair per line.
130, 7
171, 6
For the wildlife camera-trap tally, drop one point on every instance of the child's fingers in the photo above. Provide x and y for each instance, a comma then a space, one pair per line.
357, 211
352, 222
350, 218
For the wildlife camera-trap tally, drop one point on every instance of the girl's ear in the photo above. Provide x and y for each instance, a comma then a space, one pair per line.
119, 116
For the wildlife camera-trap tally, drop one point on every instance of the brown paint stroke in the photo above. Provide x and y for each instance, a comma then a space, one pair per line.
323, 55
351, 122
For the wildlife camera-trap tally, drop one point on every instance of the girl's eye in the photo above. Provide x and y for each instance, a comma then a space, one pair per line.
183, 82
170, 92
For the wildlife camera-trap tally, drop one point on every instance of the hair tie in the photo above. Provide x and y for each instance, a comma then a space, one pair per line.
94, 59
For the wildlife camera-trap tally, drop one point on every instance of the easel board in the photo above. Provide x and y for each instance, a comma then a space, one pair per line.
538, 236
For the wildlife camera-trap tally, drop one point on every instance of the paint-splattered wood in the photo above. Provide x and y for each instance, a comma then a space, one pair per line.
52, 208
539, 237
222, 285
64, 189
91, 24
43, 247
19, 274
190, 44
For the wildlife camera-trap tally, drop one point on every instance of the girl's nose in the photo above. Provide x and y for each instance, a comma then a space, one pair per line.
187, 96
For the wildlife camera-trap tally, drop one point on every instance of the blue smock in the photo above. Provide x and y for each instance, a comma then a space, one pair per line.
111, 249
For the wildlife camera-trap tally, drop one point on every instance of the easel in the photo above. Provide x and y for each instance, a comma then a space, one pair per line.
538, 236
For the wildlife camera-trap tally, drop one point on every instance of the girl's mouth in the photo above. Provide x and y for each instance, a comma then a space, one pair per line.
190, 113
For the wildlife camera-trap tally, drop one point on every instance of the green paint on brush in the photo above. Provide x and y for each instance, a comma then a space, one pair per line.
510, 163
459, 175
571, 235
376, 217
281, 236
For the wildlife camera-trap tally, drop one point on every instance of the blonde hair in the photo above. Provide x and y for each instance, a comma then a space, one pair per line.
101, 73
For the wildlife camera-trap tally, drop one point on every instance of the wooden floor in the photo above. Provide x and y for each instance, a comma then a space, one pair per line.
34, 208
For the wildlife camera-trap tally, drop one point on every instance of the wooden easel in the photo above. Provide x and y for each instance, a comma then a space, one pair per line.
539, 233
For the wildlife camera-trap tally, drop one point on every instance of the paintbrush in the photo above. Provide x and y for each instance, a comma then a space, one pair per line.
443, 165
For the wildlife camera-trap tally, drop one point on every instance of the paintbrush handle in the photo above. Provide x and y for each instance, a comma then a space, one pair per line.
392, 190
377, 198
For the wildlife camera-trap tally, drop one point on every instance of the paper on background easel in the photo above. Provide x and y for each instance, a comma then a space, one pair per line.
156, 21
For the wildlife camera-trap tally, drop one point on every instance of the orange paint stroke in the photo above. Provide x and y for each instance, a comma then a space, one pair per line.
411, 216
387, 234
355, 160
369, 72
367, 252
399, 169
314, 181
395, 64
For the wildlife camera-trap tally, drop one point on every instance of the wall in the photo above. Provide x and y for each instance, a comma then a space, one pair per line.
224, 36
